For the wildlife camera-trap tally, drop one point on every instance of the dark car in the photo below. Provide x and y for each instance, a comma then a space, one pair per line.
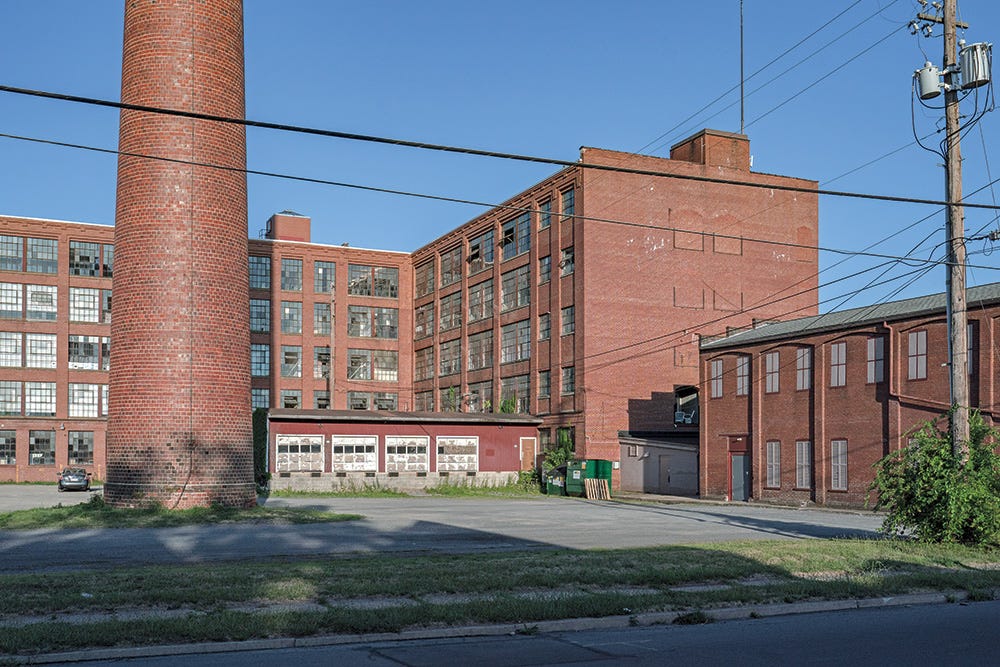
75, 479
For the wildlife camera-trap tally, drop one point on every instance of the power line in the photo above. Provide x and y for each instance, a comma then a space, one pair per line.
522, 209
336, 134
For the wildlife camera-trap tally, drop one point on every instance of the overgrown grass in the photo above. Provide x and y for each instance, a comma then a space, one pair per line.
366, 491
525, 485
519, 587
97, 514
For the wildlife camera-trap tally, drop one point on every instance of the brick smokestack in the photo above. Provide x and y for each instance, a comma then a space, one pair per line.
179, 423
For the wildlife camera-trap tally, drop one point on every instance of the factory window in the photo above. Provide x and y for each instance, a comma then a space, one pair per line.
105, 353
838, 364
291, 317
359, 364
42, 303
364, 280
383, 400
917, 355
515, 342
423, 321
10, 349
321, 319
423, 401
568, 380
568, 202
41, 448
8, 448
544, 384
567, 261
83, 400
260, 360
84, 353
40, 350
108, 265
480, 397
545, 214
291, 274
324, 277
84, 258
260, 315
451, 311
291, 361
480, 252
544, 269
423, 364
10, 398
481, 301
10, 301
803, 368
11, 253
481, 350
516, 236
423, 279
451, 266
40, 399
450, 399
106, 306
321, 399
260, 398
386, 365
515, 289
369, 322
260, 272
321, 362
515, 394
544, 326
43, 255
84, 304
450, 357
81, 448
568, 320
291, 399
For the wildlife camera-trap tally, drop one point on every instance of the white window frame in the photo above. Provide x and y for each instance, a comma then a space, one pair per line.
803, 368
838, 364
407, 453
772, 364
803, 464
876, 359
838, 465
715, 378
773, 464
464, 454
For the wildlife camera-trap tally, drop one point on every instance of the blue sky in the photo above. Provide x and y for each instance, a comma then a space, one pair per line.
541, 77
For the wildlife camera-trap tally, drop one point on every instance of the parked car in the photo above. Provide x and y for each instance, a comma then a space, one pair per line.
75, 479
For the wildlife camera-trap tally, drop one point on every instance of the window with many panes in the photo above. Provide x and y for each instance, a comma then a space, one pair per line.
515, 342
106, 306
423, 321
480, 398
359, 364
566, 261
359, 400
11, 253
568, 318
423, 279
803, 368
515, 289
568, 380
260, 272
372, 322
803, 464
568, 200
916, 359
773, 464
40, 350
11, 304
481, 301
481, 252
423, 364
84, 353
321, 362
43, 255
291, 317
108, 265
81, 448
544, 269
260, 360
40, 399
451, 266
515, 394
544, 384
742, 374
838, 364
324, 277
291, 399
42, 302
321, 399
260, 315
84, 258
84, 304
10, 398
715, 378
291, 274
291, 361
450, 399
450, 357
772, 365
515, 236
545, 214
451, 311
364, 280
838, 465
260, 397
544, 326
423, 401
321, 319
10, 349
41, 448
8, 447
384, 400
481, 350
386, 365
876, 359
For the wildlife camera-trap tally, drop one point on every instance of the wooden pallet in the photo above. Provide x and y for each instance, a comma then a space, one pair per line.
597, 489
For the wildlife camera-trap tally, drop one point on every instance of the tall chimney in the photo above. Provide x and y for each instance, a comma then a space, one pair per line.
179, 419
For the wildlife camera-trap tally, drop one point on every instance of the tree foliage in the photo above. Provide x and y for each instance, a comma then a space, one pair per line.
930, 492
560, 453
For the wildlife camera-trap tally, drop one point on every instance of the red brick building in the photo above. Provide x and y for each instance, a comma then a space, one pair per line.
579, 301
799, 411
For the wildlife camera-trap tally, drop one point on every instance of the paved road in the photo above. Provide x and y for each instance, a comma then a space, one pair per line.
415, 524
928, 635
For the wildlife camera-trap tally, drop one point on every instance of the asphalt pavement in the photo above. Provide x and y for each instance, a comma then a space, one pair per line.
416, 524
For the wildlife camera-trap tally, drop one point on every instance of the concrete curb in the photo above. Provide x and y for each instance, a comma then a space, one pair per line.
540, 627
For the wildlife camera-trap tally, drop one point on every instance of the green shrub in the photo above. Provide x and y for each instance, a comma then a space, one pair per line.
930, 492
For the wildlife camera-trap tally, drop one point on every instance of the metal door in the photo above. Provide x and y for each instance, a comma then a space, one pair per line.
740, 483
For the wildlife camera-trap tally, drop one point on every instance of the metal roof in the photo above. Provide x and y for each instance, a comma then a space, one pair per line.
844, 319
390, 416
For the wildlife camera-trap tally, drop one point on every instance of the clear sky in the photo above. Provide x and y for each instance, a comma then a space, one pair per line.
540, 77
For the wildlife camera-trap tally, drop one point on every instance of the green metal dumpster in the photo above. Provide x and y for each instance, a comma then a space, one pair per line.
555, 483
603, 471
576, 472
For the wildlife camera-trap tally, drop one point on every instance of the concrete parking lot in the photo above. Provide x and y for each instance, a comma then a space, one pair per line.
415, 525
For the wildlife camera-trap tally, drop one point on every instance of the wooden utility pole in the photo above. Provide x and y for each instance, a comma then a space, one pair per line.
958, 343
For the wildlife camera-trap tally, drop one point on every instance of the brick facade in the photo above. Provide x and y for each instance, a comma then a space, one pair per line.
875, 373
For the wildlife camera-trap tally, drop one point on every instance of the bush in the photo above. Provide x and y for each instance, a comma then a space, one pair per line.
927, 489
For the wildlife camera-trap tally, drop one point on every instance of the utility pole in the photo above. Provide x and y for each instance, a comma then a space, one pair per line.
958, 343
